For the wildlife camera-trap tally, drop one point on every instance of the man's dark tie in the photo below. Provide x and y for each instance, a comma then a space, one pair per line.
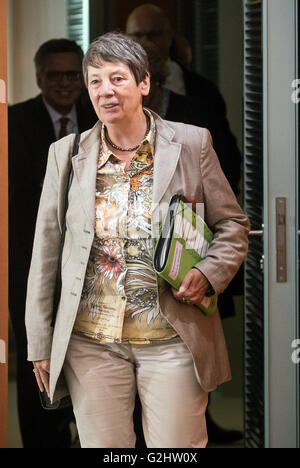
63, 127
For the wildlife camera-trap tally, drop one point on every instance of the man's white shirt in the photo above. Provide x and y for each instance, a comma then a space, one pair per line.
72, 126
175, 79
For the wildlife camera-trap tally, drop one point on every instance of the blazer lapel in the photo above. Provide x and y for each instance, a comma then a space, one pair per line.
166, 158
85, 170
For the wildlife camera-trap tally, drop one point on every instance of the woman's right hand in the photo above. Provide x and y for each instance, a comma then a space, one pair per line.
42, 370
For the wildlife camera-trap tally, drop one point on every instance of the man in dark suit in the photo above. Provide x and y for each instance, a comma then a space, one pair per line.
62, 108
150, 22
192, 99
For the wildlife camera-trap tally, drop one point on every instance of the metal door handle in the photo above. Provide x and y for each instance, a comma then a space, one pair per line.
256, 233
259, 234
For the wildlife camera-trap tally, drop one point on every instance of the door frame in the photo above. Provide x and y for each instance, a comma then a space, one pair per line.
4, 228
280, 66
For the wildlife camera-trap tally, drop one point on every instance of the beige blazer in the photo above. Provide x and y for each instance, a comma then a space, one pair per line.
184, 163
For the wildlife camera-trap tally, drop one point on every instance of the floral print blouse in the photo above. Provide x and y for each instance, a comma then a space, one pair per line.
119, 302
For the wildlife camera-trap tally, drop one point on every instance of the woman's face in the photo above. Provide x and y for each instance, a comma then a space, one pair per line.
114, 93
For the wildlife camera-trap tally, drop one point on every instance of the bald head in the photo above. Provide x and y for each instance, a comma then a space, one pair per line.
150, 22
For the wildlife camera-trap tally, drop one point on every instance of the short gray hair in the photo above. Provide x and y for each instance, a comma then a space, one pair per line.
117, 47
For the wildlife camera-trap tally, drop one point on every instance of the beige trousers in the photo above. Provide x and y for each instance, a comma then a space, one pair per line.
103, 380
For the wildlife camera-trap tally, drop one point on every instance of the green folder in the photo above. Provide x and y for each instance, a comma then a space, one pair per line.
184, 241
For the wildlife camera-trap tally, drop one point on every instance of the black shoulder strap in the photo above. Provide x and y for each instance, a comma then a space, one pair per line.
74, 153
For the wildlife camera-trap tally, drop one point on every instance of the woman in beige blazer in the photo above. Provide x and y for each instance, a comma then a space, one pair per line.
118, 328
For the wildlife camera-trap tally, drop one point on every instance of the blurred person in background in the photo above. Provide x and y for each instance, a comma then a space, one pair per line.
150, 22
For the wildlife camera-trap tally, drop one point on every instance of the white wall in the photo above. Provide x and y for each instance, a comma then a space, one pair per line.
30, 23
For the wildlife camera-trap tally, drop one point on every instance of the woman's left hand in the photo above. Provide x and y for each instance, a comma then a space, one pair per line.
193, 288
41, 371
